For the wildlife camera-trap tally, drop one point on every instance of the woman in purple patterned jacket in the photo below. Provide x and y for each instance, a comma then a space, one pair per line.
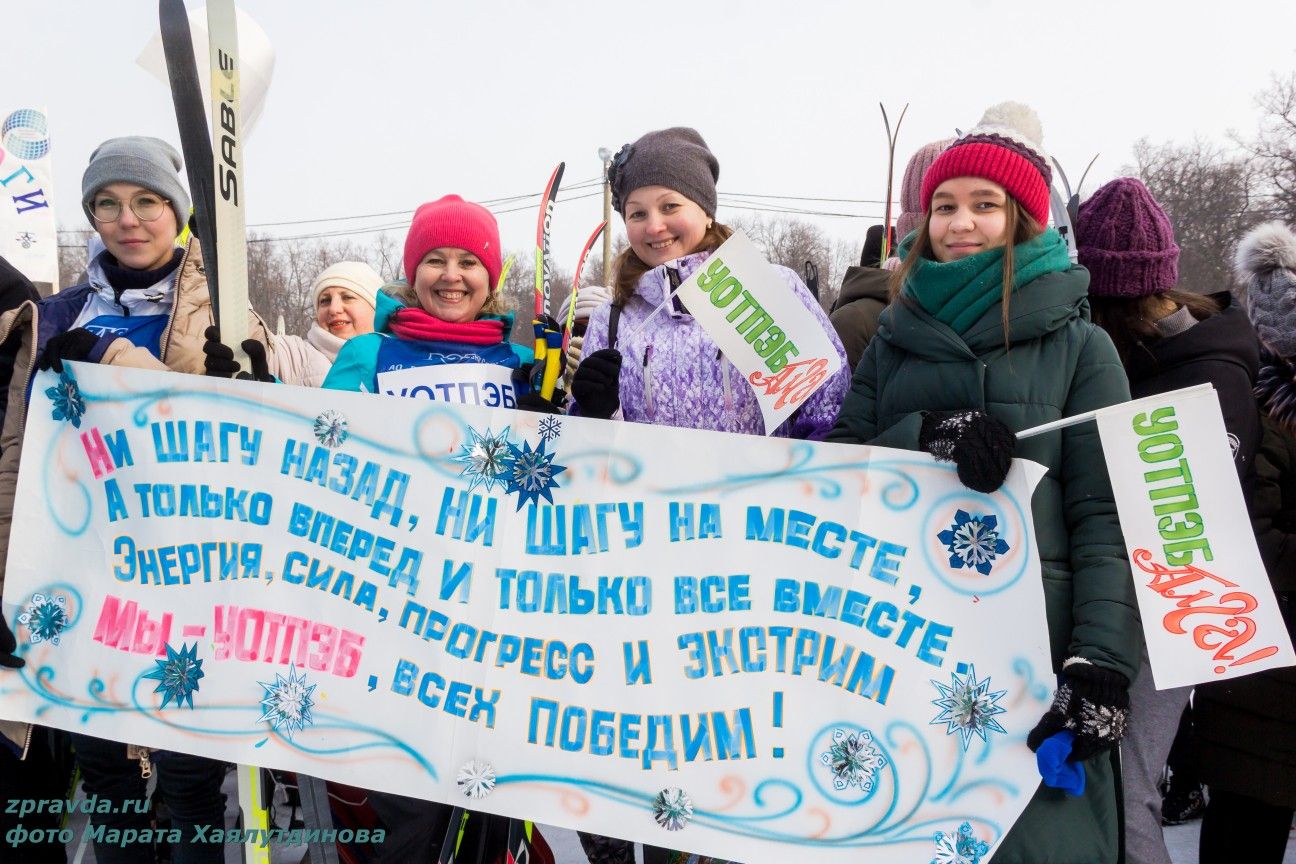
664, 187
674, 374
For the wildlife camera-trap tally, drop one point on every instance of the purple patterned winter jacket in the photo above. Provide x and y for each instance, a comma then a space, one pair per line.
672, 373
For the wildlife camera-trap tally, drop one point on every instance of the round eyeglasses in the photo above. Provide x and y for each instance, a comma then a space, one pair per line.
146, 206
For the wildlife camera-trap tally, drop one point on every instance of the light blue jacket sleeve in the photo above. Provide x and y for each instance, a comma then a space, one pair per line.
356, 365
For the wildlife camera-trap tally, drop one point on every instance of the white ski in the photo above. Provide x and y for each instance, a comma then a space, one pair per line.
227, 161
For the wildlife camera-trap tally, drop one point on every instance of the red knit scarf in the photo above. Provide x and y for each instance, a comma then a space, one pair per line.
416, 324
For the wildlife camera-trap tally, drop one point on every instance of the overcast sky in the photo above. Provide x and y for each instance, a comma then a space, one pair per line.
379, 105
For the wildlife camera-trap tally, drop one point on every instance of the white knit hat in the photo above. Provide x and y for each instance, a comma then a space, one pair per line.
355, 276
588, 299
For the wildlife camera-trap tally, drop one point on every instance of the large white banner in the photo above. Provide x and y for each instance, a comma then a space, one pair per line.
782, 350
739, 646
28, 234
1209, 612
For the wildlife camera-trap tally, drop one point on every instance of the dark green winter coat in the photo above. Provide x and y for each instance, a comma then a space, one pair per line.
864, 294
1059, 365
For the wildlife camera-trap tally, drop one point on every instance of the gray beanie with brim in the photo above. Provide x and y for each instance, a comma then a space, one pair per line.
676, 158
144, 161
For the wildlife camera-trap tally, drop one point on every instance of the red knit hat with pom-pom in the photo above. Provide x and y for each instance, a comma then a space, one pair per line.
1004, 148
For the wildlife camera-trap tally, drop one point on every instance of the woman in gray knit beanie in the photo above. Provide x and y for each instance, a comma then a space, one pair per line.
664, 186
144, 304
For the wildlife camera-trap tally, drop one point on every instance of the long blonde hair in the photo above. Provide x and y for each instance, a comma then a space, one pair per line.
1018, 224
628, 269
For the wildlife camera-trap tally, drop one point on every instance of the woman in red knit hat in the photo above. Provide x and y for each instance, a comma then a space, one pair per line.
448, 312
988, 334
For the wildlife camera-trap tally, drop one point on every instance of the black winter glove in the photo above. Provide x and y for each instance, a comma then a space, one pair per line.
981, 446
596, 386
530, 399
1093, 703
219, 360
71, 345
9, 645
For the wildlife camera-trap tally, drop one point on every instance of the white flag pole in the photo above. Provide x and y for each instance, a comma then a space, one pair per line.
1090, 415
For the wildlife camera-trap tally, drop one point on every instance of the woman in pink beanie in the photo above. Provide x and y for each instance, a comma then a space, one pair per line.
446, 316
446, 313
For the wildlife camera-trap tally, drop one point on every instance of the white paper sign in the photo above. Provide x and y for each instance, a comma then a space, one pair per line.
779, 346
1209, 612
487, 384
256, 63
753, 648
28, 234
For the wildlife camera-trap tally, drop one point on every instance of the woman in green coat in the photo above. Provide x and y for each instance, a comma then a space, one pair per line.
989, 334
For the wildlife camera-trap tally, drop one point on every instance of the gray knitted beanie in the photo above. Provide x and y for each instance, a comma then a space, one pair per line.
1266, 263
676, 158
148, 162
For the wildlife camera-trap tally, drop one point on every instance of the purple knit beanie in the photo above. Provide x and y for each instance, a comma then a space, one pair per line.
911, 186
1126, 240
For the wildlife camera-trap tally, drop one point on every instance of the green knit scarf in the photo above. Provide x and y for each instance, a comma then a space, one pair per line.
957, 293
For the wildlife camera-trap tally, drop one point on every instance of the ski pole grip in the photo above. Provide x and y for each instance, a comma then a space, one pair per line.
553, 363
539, 327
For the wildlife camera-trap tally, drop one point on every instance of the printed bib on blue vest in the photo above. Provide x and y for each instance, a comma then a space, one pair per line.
143, 331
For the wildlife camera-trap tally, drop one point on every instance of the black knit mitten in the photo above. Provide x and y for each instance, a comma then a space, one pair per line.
978, 444
596, 386
1093, 703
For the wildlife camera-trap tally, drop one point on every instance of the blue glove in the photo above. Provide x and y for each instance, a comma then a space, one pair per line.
1051, 759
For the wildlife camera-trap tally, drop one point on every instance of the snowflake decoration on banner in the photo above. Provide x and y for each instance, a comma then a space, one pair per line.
550, 428
959, 847
288, 702
485, 459
331, 428
973, 541
46, 618
476, 779
967, 706
854, 759
66, 396
178, 675
530, 473
672, 808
